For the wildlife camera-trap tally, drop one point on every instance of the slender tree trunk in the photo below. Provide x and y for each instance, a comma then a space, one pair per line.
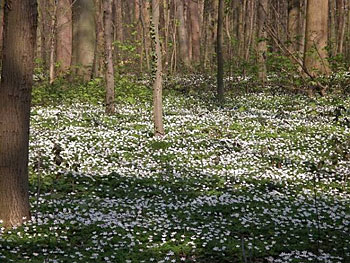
220, 57
15, 98
157, 61
108, 33
332, 38
64, 34
53, 43
100, 46
262, 37
44, 31
146, 23
293, 24
315, 56
195, 30
341, 25
118, 32
183, 35
84, 37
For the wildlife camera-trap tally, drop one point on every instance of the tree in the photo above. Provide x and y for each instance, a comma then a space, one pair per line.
183, 35
84, 37
15, 98
315, 55
220, 57
108, 33
64, 34
195, 29
157, 63
262, 35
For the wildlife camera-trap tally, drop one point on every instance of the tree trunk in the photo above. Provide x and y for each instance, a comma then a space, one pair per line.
118, 24
15, 98
53, 43
220, 58
146, 23
293, 24
1, 25
108, 32
195, 30
262, 35
64, 35
84, 37
183, 35
157, 61
341, 25
315, 55
99, 47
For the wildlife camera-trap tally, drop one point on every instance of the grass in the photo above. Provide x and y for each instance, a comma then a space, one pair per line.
261, 179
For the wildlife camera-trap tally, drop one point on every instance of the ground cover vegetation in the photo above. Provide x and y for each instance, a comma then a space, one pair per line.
260, 178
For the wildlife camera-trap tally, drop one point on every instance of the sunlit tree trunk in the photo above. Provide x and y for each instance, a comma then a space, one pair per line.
108, 33
84, 37
315, 56
157, 61
15, 98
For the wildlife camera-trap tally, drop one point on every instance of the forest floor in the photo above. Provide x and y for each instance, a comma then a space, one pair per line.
261, 179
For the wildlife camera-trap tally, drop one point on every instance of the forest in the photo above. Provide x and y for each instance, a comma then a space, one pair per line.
141, 131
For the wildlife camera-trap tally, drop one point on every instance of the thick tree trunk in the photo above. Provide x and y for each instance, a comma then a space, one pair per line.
315, 56
157, 61
64, 35
84, 37
220, 57
108, 32
183, 35
262, 35
15, 98
1, 25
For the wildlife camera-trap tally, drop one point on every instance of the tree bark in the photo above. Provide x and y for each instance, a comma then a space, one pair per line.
315, 55
220, 58
99, 47
157, 61
195, 29
293, 24
84, 38
108, 32
146, 23
15, 98
183, 35
341, 25
53, 43
262, 35
64, 35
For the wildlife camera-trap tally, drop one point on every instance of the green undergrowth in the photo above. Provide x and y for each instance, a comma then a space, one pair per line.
261, 178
